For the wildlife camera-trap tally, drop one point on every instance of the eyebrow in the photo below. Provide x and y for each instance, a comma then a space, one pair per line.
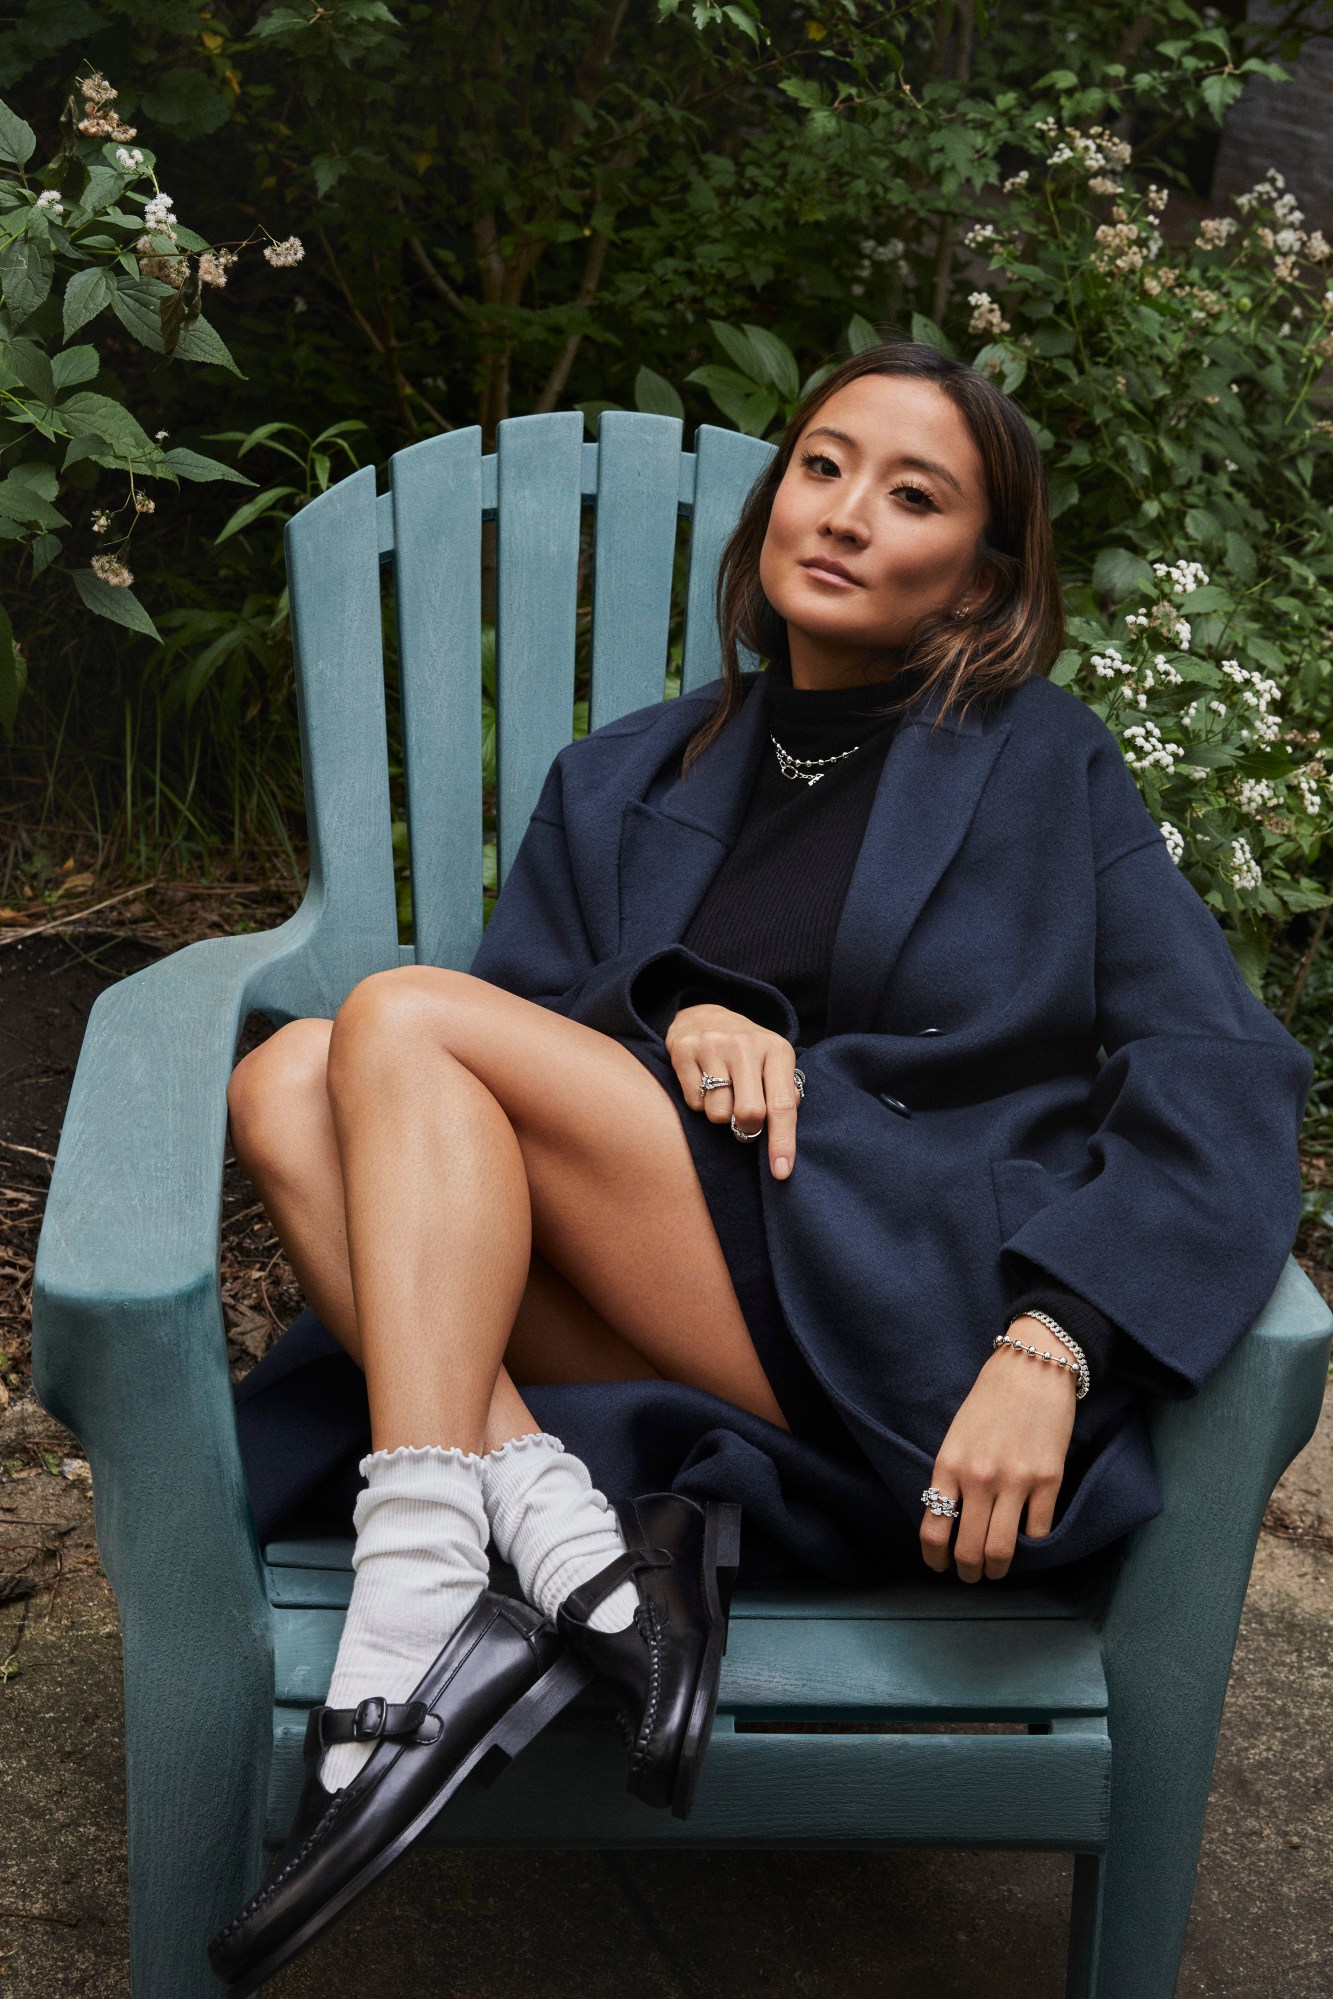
914, 464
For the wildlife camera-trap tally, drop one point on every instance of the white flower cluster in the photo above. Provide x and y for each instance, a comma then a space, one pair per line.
1166, 672
51, 202
1185, 576
1175, 844
873, 253
158, 219
112, 570
282, 254
1094, 152
1149, 748
1121, 246
986, 316
215, 264
1163, 618
1215, 231
979, 233
1256, 693
129, 158
1015, 182
1156, 198
1288, 240
1107, 664
101, 522
1245, 871
97, 122
1255, 795
1307, 781
143, 505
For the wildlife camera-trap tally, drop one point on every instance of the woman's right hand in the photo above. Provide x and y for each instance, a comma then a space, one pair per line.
760, 1068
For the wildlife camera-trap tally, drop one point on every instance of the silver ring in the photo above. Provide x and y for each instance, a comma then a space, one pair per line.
799, 1079
746, 1137
707, 1083
940, 1503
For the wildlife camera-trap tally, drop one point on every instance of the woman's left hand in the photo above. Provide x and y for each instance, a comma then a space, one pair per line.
1005, 1450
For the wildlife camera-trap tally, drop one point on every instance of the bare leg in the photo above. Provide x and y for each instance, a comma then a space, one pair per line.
464, 1120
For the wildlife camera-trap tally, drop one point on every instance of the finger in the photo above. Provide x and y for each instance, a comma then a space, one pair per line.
1041, 1509
718, 1103
689, 1075
969, 1548
747, 1090
937, 1528
780, 1107
1002, 1533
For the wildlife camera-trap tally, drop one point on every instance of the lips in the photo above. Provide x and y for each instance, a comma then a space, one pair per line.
826, 570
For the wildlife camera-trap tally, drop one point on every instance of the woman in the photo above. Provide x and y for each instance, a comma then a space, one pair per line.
904, 857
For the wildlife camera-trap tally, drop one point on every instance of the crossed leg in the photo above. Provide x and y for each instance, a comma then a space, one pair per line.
460, 1177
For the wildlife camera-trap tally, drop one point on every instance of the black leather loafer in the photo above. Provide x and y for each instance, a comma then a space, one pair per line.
503, 1675
663, 1670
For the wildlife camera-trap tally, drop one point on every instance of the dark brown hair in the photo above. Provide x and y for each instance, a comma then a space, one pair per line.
1020, 629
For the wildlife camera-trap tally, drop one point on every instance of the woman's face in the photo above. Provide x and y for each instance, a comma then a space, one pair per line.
874, 526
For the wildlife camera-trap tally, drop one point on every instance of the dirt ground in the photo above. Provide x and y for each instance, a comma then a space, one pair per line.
599, 1926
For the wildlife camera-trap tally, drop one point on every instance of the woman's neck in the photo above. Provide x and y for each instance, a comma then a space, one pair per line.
817, 665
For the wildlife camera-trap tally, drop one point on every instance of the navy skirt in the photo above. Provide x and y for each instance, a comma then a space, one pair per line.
812, 1504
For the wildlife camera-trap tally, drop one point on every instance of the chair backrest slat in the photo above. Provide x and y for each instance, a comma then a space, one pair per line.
638, 490
726, 467
332, 551
437, 537
538, 485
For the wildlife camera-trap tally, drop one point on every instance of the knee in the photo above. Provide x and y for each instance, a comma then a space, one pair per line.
273, 1090
404, 1007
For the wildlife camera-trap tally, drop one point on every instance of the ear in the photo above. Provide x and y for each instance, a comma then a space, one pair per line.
981, 589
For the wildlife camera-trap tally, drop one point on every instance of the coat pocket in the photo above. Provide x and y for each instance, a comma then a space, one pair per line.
1022, 1187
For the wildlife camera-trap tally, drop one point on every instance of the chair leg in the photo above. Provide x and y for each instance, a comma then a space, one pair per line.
198, 1709
1085, 1927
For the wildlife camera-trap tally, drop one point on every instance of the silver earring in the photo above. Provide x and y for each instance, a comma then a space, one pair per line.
963, 611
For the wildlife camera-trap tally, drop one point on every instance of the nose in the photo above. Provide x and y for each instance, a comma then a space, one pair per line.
846, 517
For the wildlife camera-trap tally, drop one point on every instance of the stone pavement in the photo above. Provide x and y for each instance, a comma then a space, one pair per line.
674, 1926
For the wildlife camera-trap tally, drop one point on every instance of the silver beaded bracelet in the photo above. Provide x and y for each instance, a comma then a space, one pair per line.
1077, 1365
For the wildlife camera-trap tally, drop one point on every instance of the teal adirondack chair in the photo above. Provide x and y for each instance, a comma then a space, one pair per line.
1116, 1685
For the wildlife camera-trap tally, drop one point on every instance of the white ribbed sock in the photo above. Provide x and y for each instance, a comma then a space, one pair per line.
550, 1521
420, 1562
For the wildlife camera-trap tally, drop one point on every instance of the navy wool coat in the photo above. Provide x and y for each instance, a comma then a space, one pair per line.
1013, 892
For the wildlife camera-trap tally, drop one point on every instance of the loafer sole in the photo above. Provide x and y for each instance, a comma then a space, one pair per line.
721, 1557
514, 1730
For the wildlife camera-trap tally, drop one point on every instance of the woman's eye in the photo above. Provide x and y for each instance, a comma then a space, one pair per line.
819, 460
916, 496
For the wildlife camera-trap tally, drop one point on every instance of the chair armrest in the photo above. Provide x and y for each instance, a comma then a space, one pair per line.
128, 1341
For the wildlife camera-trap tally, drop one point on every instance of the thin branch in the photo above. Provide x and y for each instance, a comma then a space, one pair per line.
564, 361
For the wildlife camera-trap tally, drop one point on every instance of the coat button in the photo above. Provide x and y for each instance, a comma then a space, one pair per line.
894, 1104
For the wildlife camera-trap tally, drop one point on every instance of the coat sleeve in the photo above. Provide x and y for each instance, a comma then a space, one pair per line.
1180, 1235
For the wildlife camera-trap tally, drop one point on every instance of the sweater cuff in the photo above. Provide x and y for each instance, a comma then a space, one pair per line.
676, 978
1109, 1350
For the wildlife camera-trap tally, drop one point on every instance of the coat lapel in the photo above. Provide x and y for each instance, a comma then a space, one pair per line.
928, 791
670, 850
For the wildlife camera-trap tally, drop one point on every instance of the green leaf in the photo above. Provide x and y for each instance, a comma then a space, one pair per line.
594, 411
13, 675
117, 603
777, 361
18, 141
85, 411
252, 509
31, 363
43, 478
1010, 364
1219, 92
750, 407
738, 348
926, 331
86, 294
1203, 527
861, 335
1066, 666
1057, 79
655, 396
743, 22
1240, 558
73, 365
202, 343
27, 266
188, 464
44, 550
21, 502
1119, 573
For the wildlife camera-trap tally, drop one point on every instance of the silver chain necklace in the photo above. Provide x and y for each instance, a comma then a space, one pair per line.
806, 769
